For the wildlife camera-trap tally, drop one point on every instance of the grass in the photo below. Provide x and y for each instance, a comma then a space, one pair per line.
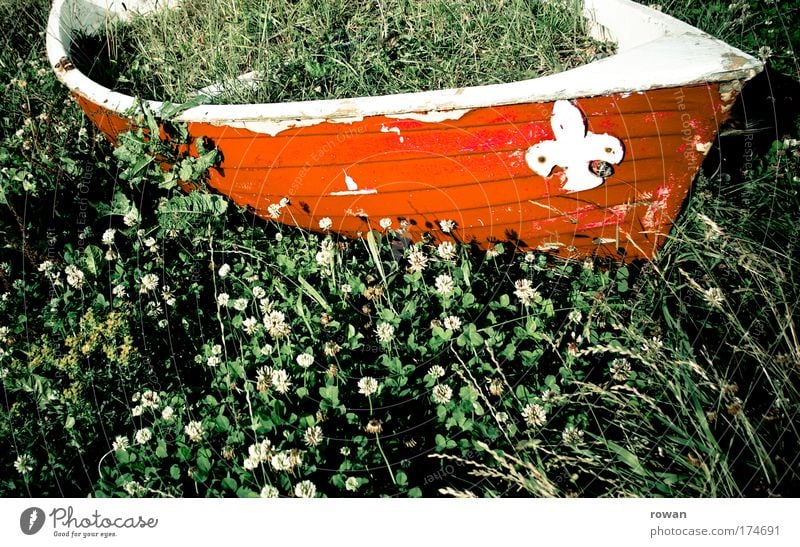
130, 365
337, 49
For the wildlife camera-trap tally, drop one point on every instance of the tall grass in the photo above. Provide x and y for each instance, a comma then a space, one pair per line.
338, 48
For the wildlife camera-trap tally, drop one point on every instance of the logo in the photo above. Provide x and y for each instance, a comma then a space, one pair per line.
31, 520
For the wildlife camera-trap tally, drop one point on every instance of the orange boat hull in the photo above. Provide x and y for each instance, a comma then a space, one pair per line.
472, 171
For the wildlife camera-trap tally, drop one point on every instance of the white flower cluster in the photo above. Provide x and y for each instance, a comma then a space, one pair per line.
525, 292
257, 454
195, 431
74, 275
417, 260
442, 393
385, 332
313, 435
534, 415
276, 325
367, 385
305, 360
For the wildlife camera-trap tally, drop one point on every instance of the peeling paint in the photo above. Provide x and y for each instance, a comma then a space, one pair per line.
352, 188
703, 147
274, 127
431, 116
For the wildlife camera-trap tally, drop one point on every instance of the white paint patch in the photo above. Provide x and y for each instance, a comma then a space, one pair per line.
703, 147
349, 182
573, 149
431, 116
273, 128
362, 192
393, 129
352, 188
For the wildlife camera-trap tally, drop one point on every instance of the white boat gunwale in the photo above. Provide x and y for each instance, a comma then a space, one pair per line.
656, 52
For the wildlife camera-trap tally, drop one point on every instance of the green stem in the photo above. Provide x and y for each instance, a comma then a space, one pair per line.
385, 459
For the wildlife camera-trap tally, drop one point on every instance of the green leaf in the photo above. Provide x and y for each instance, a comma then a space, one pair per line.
312, 292
70, 423
175, 472
203, 464
161, 449
92, 258
230, 484
330, 393
401, 478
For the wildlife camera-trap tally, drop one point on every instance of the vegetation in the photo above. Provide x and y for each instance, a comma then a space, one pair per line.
339, 48
158, 343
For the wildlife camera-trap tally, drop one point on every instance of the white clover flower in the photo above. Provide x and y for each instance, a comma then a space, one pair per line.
216, 349
346, 289
385, 223
259, 293
501, 417
351, 484
195, 431
108, 236
250, 325
305, 489
325, 223
265, 306
281, 461
280, 381
213, 361
452, 322
436, 371
530, 258
276, 325
447, 226
575, 316
150, 399
149, 282
224, 270
167, 414
324, 257
444, 285
274, 210
240, 304
4, 370
131, 218
534, 415
258, 453
110, 255
549, 396
119, 291
572, 435
525, 292
344, 451
120, 443
385, 332
313, 436
75, 276
266, 349
446, 250
264, 378
620, 369
23, 464
137, 410
133, 488
222, 299
269, 491
305, 360
151, 245
367, 385
143, 435
442, 393
417, 260
47, 266
4, 335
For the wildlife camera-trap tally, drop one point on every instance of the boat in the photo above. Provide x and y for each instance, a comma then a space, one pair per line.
593, 161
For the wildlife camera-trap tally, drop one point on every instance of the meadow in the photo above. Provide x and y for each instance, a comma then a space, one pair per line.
158, 343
